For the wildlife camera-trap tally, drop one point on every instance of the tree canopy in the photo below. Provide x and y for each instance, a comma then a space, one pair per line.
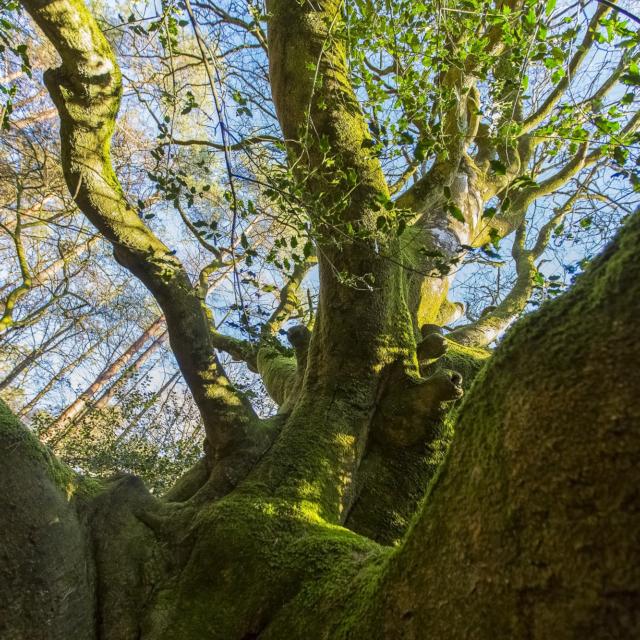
266, 247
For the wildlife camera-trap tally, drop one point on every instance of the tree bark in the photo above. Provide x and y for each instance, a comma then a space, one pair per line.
32, 356
513, 538
29, 406
108, 394
531, 528
528, 532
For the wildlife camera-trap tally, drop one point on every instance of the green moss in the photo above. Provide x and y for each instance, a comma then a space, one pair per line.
392, 480
255, 564
467, 361
532, 516
278, 373
339, 604
15, 435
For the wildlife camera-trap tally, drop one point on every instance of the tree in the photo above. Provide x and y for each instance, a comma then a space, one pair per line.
287, 526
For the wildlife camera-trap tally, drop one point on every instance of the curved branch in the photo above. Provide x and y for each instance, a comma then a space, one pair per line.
489, 326
288, 299
86, 90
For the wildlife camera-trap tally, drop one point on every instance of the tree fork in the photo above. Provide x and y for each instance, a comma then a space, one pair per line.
528, 531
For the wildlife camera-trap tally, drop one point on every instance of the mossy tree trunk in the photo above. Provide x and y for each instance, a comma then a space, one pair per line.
529, 531
285, 528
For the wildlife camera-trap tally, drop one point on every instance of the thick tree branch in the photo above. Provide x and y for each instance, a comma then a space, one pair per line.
86, 89
523, 197
289, 300
491, 325
542, 405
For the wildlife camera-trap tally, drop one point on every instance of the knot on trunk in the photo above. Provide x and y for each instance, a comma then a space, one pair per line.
406, 414
90, 102
282, 374
410, 405
433, 344
299, 336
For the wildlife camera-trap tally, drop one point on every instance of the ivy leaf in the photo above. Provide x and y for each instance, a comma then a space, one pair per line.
531, 17
498, 167
494, 236
307, 250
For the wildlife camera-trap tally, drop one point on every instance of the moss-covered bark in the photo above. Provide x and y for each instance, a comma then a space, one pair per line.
393, 478
528, 525
46, 577
532, 525
86, 90
528, 531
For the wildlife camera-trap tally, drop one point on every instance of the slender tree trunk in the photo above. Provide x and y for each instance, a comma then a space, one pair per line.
28, 407
104, 399
49, 344
135, 421
56, 266
56, 430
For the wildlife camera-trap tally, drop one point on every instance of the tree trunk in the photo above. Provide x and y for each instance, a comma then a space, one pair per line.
529, 531
157, 395
264, 538
135, 366
33, 355
57, 429
29, 406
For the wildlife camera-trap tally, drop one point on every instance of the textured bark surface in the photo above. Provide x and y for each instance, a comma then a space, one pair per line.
532, 526
46, 579
529, 530
287, 527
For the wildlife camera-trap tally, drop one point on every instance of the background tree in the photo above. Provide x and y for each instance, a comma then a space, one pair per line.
395, 145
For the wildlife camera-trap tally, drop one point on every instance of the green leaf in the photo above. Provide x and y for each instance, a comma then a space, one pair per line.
307, 250
456, 212
498, 167
494, 236
531, 17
